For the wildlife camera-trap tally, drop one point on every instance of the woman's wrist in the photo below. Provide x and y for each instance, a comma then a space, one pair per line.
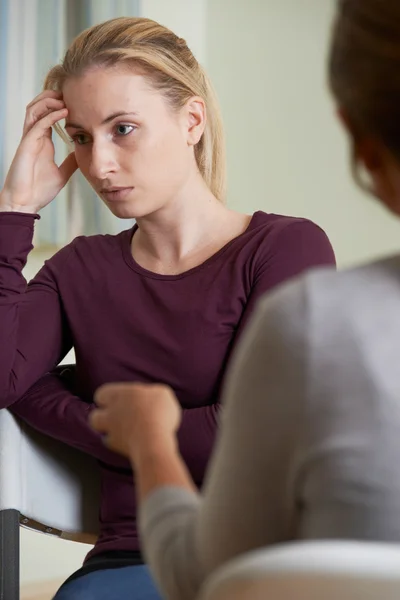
151, 448
158, 464
9, 203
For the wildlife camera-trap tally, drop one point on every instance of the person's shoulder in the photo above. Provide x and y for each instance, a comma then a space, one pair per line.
99, 241
94, 250
350, 334
273, 222
351, 291
100, 247
327, 305
282, 234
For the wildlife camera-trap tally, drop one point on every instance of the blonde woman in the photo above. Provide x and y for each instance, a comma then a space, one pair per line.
313, 452
165, 301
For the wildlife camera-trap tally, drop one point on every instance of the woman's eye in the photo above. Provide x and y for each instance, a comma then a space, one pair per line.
80, 139
125, 129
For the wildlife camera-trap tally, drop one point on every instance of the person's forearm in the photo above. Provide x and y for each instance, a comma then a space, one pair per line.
179, 462
34, 333
51, 408
159, 464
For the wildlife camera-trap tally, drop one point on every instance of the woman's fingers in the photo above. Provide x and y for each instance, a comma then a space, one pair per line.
41, 127
39, 110
45, 94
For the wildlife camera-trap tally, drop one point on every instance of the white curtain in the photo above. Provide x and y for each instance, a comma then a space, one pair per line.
34, 35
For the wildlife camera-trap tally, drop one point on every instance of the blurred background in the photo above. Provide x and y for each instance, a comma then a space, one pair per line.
286, 151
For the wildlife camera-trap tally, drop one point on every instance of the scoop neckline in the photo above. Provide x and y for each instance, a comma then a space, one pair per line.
126, 242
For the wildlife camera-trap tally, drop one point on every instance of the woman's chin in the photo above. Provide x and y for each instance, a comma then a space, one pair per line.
123, 214
132, 209
124, 211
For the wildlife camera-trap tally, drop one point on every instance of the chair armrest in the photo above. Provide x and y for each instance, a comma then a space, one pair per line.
11, 442
55, 488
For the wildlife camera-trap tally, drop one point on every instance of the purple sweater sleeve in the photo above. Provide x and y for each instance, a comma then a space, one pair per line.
299, 247
33, 332
51, 408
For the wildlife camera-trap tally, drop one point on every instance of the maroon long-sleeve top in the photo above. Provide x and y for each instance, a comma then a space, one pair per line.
129, 324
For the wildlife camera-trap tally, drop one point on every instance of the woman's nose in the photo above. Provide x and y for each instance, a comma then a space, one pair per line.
103, 160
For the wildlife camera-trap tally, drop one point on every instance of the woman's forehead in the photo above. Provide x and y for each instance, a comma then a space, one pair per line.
106, 81
99, 96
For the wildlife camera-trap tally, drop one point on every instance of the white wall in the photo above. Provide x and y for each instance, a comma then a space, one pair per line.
286, 153
187, 18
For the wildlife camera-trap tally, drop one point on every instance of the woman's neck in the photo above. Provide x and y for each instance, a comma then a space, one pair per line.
185, 232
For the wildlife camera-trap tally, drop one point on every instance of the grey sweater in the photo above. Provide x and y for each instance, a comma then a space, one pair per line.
309, 446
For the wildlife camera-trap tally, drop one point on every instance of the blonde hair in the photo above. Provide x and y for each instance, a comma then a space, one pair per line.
364, 71
164, 59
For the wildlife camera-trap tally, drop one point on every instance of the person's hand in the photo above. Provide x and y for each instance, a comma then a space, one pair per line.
34, 179
136, 417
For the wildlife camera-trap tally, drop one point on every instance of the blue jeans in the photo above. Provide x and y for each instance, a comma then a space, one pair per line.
121, 583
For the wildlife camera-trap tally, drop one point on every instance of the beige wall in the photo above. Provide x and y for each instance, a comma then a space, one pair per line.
187, 18
286, 153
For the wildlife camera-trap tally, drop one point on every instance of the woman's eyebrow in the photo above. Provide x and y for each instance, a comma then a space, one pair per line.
106, 120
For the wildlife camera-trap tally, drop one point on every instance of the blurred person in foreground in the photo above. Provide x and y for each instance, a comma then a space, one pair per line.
309, 441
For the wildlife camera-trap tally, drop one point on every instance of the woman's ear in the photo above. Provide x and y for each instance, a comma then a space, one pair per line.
196, 120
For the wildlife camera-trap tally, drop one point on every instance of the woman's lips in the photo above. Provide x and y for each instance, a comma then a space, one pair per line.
116, 194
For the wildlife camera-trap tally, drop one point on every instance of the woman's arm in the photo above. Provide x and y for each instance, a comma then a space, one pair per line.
51, 407
33, 331
34, 335
299, 246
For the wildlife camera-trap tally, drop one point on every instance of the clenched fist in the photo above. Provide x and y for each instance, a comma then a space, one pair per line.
134, 416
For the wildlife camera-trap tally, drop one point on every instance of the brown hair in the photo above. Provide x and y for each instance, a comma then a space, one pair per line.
364, 69
170, 66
